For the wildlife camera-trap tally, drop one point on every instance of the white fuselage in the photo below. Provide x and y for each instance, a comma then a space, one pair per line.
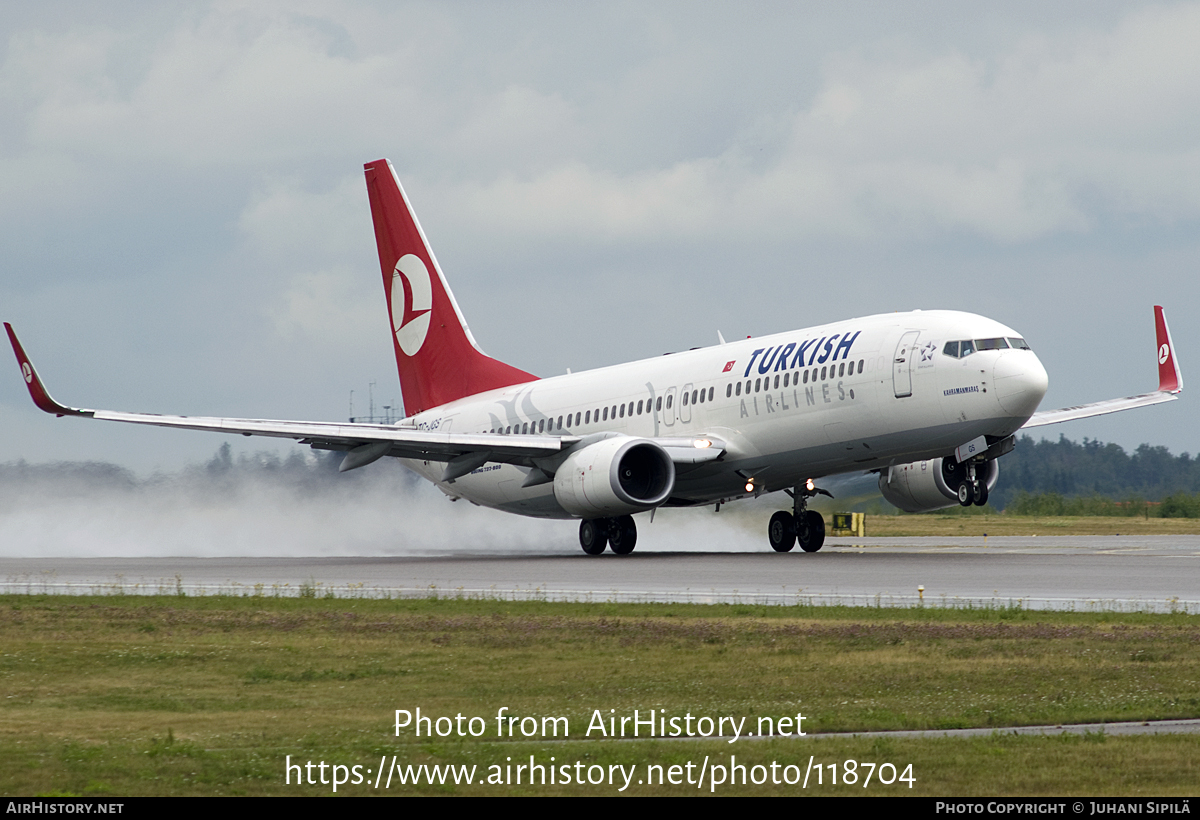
855, 395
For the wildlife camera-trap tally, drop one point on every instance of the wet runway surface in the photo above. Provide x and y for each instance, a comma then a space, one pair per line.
1157, 573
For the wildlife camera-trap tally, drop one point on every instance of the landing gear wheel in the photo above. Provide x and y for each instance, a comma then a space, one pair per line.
980, 496
593, 536
811, 534
782, 531
622, 534
965, 495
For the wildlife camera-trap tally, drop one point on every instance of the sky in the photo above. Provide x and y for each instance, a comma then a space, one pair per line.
185, 227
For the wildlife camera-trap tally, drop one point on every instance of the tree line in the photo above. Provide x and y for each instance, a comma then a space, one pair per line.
1091, 477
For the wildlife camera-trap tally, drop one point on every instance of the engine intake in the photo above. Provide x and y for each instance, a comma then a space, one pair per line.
921, 486
616, 476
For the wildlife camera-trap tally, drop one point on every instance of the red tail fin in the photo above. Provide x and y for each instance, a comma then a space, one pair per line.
436, 355
1170, 380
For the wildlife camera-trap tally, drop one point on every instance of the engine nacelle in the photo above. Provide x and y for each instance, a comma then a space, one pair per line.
931, 485
615, 476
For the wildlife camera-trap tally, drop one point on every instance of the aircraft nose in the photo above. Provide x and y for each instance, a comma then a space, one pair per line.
1020, 382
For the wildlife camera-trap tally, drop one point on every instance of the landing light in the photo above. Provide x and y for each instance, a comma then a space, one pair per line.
749, 486
809, 485
701, 443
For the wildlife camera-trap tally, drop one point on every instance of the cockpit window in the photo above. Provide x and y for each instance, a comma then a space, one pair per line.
964, 348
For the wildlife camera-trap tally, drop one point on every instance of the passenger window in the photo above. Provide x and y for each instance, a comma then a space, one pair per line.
776, 382
785, 379
542, 426
710, 393
860, 366
702, 396
658, 403
757, 385
669, 399
622, 411
605, 414
841, 369
685, 399
560, 422
806, 377
525, 429
693, 397
729, 391
588, 420
738, 390
639, 408
823, 374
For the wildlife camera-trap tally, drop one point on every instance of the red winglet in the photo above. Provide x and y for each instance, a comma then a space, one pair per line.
1170, 379
41, 397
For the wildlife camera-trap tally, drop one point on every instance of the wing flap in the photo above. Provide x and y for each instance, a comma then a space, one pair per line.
406, 443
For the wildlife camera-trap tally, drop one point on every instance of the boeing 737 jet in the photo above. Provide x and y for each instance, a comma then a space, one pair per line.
929, 400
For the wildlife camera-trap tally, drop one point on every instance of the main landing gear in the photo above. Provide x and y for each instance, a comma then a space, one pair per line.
972, 490
801, 525
619, 534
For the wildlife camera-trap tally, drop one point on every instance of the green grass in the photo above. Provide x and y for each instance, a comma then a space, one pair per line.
128, 695
977, 521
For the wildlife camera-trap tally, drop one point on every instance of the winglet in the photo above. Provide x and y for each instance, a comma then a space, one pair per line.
1170, 379
41, 397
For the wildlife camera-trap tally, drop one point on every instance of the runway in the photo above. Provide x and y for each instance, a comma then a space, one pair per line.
1119, 573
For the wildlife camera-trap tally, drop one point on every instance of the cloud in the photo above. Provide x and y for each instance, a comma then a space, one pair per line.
1045, 134
1053, 135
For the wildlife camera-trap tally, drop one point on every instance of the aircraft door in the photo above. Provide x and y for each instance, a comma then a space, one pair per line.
685, 404
902, 364
669, 408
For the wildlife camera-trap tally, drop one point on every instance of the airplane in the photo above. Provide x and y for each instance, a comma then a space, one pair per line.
929, 400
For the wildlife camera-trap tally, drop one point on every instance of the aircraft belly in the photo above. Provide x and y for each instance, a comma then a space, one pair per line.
786, 468
497, 486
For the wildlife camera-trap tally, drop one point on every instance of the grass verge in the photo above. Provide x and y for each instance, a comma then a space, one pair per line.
135, 695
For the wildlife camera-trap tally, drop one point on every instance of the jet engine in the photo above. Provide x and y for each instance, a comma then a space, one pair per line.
615, 476
931, 485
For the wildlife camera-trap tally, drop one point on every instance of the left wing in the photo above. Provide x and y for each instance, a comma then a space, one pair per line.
365, 443
1170, 384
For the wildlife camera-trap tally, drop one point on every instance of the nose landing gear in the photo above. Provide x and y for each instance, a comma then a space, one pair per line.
973, 490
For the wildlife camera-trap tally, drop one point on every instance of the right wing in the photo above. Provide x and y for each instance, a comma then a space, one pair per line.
1170, 384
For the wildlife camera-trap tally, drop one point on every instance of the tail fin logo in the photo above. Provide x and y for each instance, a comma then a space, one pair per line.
412, 300
1164, 353
27, 372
